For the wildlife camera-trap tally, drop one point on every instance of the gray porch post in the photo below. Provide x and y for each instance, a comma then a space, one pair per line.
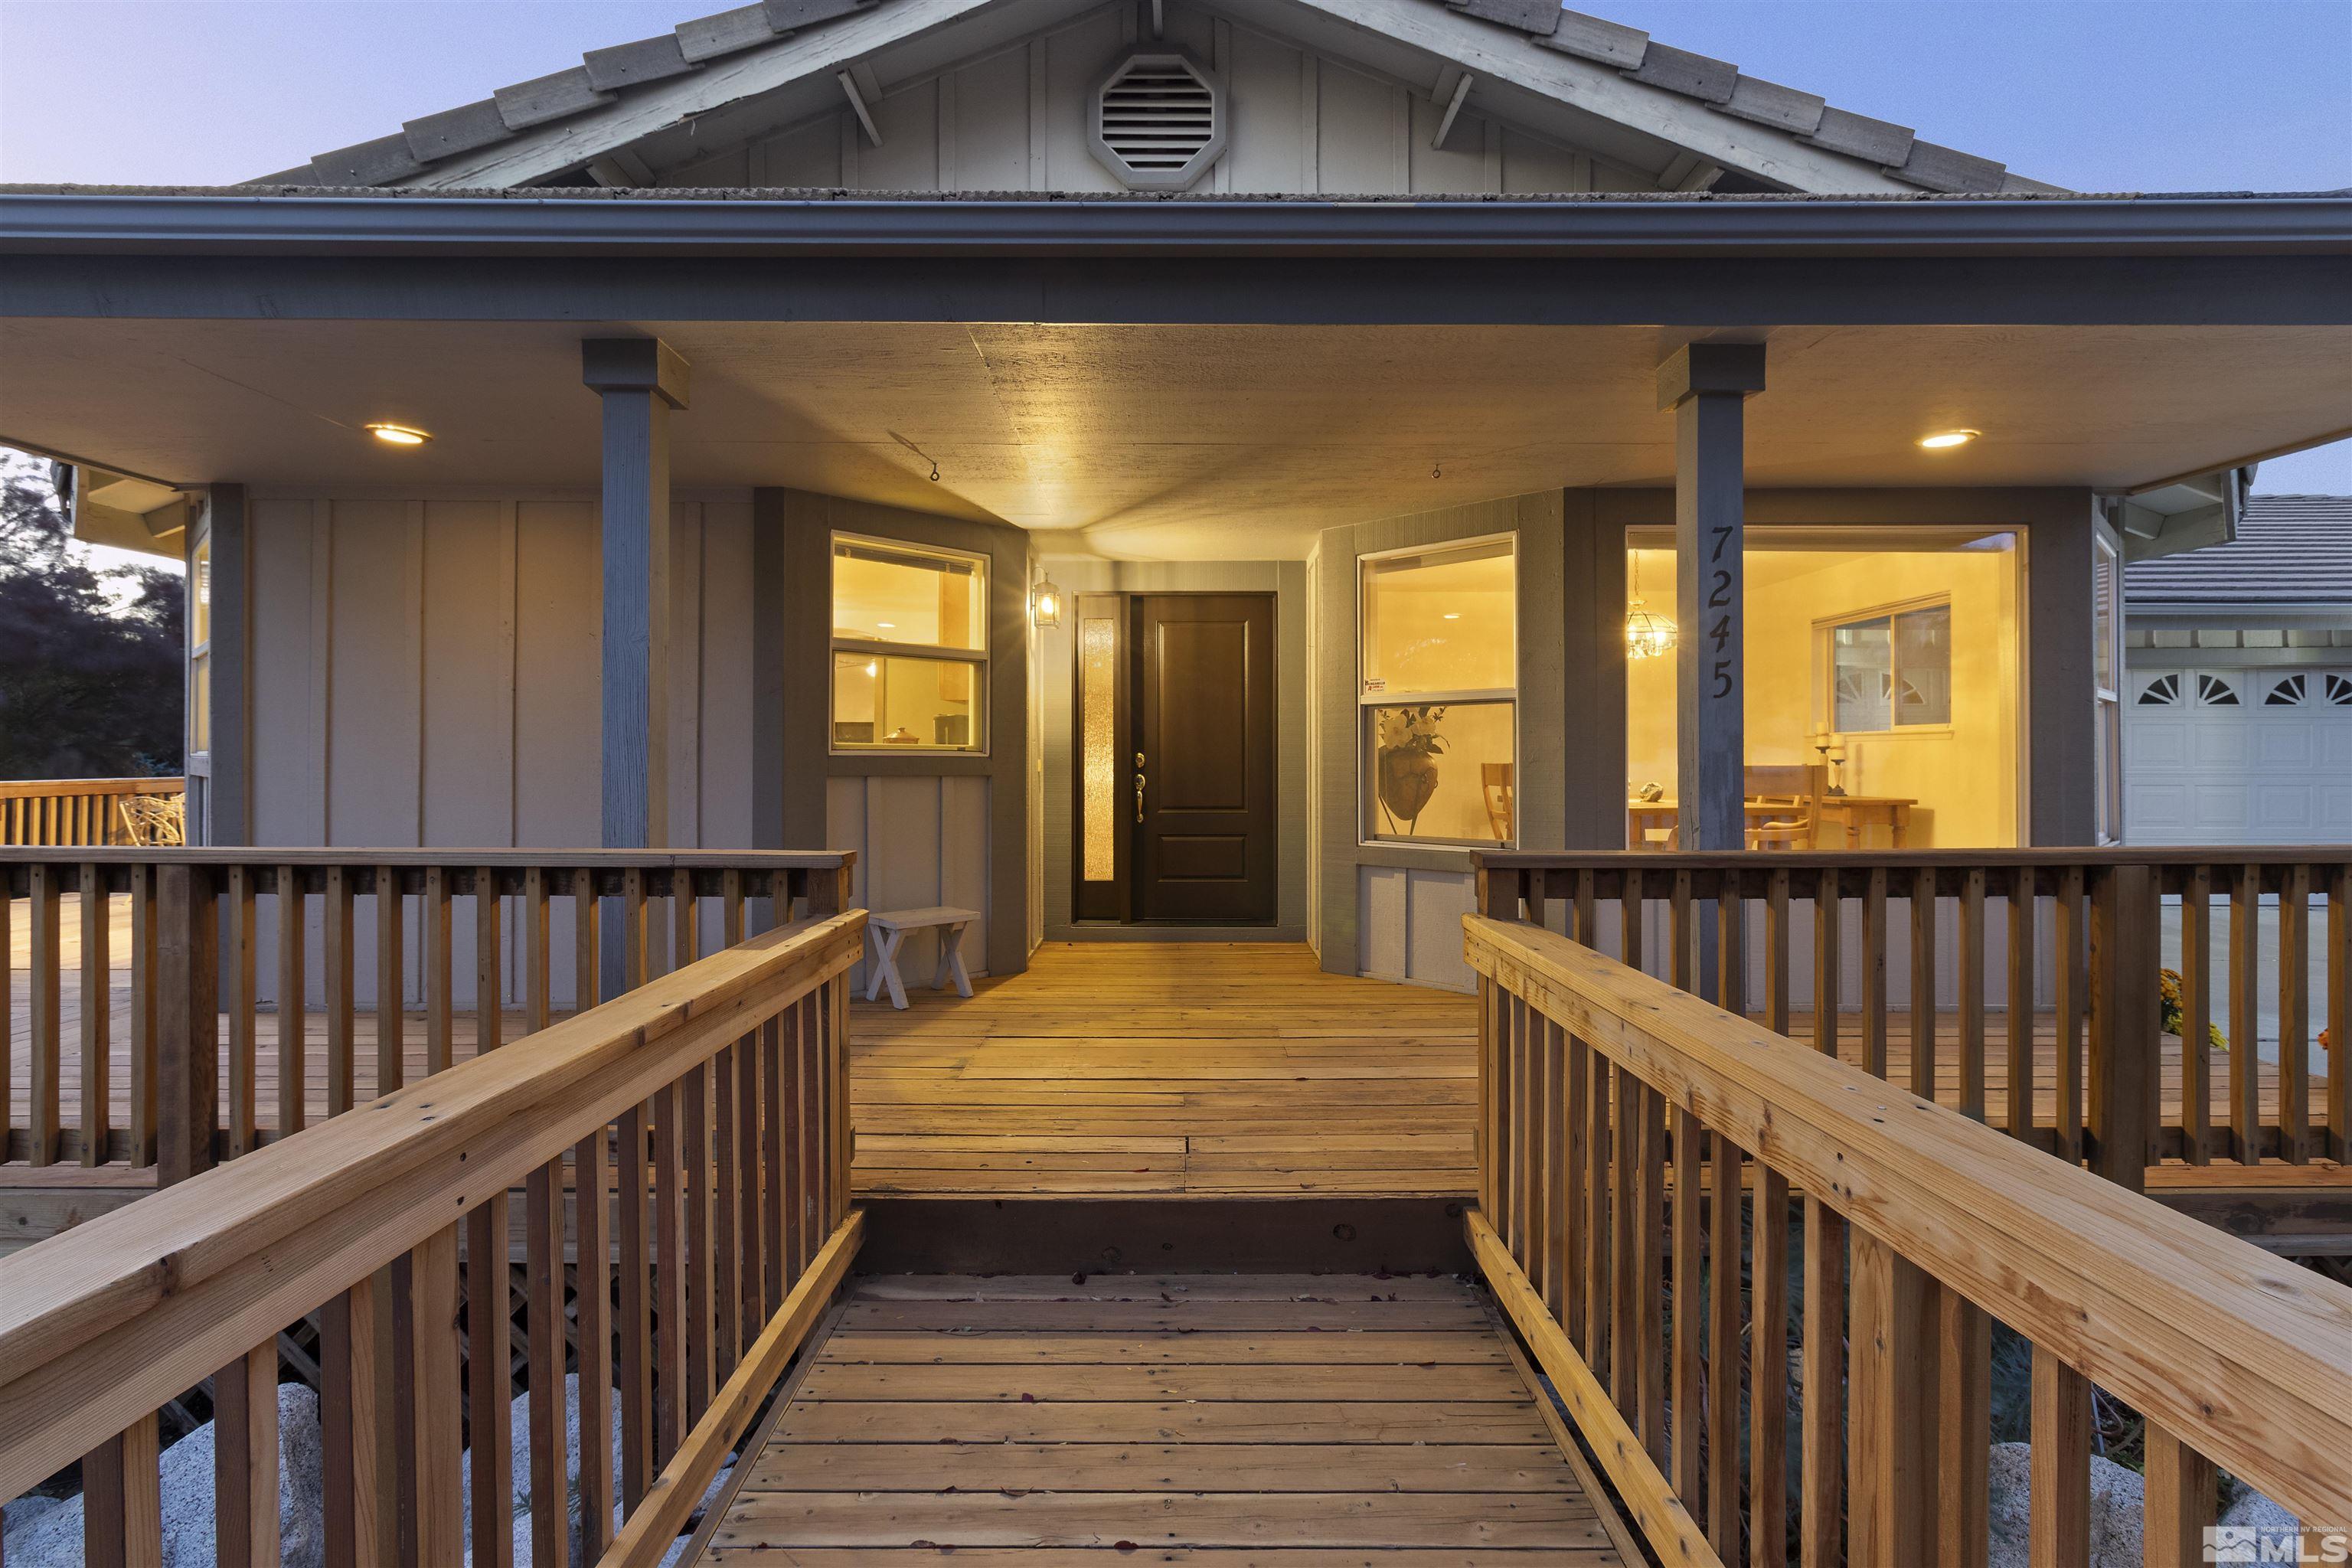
640, 380
1705, 384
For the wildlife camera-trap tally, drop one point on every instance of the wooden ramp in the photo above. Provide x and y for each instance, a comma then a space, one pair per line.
1190, 1418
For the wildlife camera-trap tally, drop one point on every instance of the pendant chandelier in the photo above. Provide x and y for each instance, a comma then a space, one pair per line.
1646, 636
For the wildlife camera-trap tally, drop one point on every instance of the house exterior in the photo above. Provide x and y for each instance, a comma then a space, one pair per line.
1160, 468
2238, 664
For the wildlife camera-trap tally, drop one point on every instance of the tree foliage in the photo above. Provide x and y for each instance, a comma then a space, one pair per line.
91, 682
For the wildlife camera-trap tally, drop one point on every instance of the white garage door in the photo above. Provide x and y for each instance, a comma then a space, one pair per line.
2238, 756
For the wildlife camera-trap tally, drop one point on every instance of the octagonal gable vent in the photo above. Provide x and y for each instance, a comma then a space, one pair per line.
1160, 119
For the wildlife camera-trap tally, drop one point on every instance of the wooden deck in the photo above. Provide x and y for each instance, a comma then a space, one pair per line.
1203, 1419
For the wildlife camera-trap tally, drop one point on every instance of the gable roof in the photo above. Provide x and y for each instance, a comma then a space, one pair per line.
2290, 550
1620, 70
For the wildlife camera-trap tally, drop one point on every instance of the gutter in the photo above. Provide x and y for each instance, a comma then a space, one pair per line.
52, 220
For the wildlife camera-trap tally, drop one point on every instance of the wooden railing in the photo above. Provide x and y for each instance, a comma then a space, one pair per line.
2020, 987
73, 811
1644, 1157
721, 1090
209, 1055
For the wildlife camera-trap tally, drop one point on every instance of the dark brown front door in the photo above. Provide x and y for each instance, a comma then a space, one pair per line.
1204, 742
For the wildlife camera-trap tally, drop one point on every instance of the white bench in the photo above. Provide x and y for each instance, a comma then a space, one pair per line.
886, 930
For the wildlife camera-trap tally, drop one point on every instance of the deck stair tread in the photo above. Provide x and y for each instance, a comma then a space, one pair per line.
1039, 1421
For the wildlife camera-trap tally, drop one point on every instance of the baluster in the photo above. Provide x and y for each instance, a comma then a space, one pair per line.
1776, 951
670, 1338
46, 960
1689, 1324
391, 1030
636, 1310
2018, 1112
2123, 1021
188, 1031
586, 954
1628, 1236
725, 1313
96, 1018
1576, 1076
538, 1004
775, 1214
1873, 974
339, 930
1923, 983
1971, 981
435, 1394
2066, 1064
243, 1097
2339, 1017
2294, 1010
839, 1139
1768, 1373
1826, 979
1730, 945
797, 1023
489, 1378
245, 1458
2183, 1501
544, 1345
351, 1407
1723, 1377
293, 1045
634, 932
1964, 1410
123, 1499
1821, 1473
490, 967
2196, 1016
1584, 1291
1678, 929
694, 1134
1553, 1044
685, 944
1891, 1474
438, 962
1650, 1236
591, 1301
2060, 1481
751, 1234
1515, 1152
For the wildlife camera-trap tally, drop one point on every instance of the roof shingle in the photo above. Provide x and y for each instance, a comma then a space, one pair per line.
2290, 550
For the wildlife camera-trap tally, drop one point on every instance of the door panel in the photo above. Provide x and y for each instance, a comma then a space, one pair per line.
1204, 729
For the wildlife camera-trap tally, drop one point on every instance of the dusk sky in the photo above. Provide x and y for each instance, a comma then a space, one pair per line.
2102, 95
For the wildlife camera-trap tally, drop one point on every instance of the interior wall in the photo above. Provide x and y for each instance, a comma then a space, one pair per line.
1057, 657
1964, 774
1016, 120
424, 673
1392, 910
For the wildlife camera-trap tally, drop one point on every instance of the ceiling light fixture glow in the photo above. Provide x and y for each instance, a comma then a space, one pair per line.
398, 435
1945, 440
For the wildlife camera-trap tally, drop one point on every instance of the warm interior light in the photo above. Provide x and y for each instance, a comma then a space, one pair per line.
1451, 615
1647, 636
871, 665
1943, 440
1045, 602
399, 435
888, 625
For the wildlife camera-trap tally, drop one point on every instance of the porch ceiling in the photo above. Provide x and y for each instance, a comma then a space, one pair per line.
1164, 441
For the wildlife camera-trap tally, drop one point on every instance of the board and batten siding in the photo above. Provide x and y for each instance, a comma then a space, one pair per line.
425, 674
1015, 120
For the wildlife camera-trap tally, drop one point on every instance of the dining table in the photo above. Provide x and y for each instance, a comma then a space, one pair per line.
1846, 820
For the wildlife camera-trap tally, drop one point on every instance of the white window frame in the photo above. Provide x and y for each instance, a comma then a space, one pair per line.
2106, 701
1825, 630
1368, 700
876, 648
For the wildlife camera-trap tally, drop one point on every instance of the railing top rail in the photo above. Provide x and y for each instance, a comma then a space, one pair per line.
502, 858
1907, 860
2241, 1354
19, 789
106, 1321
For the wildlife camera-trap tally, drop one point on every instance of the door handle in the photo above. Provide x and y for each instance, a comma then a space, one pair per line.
1138, 797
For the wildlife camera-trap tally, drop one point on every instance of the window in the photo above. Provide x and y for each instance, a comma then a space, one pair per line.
2164, 692
1891, 671
1439, 694
2107, 682
200, 650
909, 647
2216, 691
2286, 693
2339, 691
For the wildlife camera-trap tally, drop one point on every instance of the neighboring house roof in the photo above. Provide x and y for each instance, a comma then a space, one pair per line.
716, 45
2290, 550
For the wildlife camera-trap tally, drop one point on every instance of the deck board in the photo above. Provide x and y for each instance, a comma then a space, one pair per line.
1421, 1443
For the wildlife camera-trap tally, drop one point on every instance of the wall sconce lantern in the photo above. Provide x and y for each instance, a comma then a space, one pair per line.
1045, 602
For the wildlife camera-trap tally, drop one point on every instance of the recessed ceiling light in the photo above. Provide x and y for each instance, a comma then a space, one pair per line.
399, 435
1451, 615
1943, 440
888, 625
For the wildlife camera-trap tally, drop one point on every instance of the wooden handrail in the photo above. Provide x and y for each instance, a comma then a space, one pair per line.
154, 1077
73, 811
27, 789
102, 1324
2235, 1357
